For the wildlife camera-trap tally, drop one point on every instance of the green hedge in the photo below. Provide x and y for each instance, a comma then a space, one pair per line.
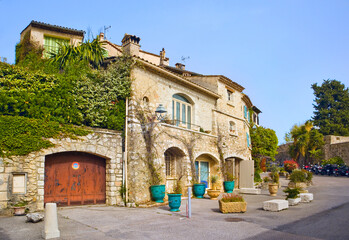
21, 135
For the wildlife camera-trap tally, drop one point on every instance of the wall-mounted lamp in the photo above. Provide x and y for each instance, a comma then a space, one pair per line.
160, 112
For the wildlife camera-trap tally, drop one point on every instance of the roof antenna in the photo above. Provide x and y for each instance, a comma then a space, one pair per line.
105, 31
184, 58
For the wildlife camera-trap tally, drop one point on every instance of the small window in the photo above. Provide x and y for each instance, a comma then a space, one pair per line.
146, 101
232, 127
19, 183
230, 96
52, 44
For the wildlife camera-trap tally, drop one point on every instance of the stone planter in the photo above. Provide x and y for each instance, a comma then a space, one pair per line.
214, 194
232, 207
265, 185
301, 185
273, 188
19, 211
293, 201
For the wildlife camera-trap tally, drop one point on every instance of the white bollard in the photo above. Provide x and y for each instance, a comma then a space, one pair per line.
189, 202
51, 222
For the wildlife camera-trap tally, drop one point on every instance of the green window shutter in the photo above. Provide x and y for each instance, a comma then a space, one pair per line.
245, 112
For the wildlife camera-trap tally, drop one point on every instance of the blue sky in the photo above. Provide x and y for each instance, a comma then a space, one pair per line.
275, 49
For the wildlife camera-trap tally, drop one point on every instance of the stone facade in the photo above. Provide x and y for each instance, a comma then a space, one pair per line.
104, 143
337, 146
212, 112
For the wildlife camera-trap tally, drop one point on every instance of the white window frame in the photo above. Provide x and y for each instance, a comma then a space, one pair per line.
178, 119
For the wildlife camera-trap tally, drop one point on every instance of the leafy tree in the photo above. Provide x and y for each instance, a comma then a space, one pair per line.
264, 142
307, 142
331, 113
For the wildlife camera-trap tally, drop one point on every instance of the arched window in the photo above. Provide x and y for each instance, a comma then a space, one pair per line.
232, 127
145, 101
181, 111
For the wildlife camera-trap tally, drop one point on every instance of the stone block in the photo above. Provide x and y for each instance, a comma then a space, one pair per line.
275, 205
306, 197
250, 191
293, 201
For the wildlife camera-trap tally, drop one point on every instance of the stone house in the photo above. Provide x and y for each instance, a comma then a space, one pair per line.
206, 125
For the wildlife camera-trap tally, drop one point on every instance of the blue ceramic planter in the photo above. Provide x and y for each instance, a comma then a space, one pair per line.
174, 201
229, 186
199, 190
158, 193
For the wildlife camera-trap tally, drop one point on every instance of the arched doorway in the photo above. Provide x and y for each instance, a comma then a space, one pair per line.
206, 166
175, 168
74, 178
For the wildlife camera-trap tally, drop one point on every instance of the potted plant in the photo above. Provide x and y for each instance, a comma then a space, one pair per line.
174, 199
232, 203
229, 182
274, 184
157, 189
214, 192
292, 196
298, 179
19, 208
290, 165
199, 189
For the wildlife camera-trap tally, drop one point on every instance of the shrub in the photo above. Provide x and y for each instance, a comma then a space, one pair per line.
292, 192
290, 165
266, 179
298, 176
309, 175
230, 177
230, 197
214, 179
274, 176
335, 160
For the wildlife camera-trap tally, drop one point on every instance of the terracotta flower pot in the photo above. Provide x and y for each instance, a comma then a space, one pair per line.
214, 194
273, 188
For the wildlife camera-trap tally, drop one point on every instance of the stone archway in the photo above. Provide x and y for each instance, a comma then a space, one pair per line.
175, 168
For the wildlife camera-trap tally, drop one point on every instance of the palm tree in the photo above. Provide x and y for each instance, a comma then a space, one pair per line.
306, 142
90, 52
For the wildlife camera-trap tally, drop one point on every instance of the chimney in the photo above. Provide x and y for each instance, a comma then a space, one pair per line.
180, 66
101, 36
130, 44
162, 56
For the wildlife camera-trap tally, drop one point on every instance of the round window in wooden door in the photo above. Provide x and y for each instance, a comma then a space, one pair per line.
74, 178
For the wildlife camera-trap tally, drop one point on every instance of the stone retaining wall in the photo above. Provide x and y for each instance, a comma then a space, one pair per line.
101, 142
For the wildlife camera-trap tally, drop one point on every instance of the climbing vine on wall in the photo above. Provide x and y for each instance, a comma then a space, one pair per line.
79, 95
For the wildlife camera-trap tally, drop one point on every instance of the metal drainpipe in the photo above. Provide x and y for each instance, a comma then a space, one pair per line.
125, 155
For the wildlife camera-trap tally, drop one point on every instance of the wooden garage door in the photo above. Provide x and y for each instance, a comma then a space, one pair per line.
74, 178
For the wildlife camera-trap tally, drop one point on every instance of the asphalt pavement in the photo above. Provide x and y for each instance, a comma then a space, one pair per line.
327, 217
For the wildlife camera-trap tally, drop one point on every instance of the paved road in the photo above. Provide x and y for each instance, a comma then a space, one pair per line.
327, 217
